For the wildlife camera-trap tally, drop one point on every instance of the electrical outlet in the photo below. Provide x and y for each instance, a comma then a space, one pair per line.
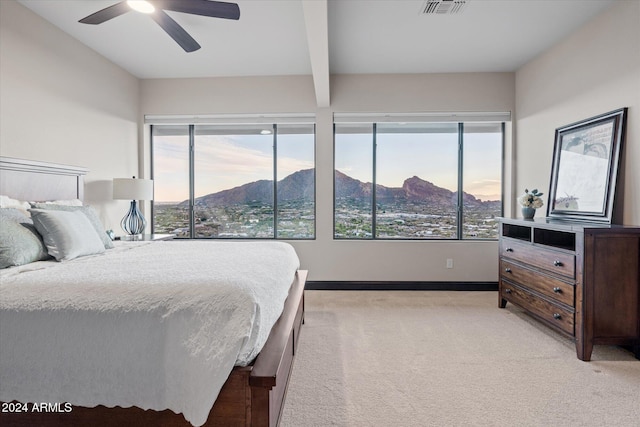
449, 262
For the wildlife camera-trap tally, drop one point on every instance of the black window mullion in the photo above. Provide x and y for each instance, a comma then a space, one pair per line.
192, 218
153, 222
275, 181
502, 171
460, 210
374, 207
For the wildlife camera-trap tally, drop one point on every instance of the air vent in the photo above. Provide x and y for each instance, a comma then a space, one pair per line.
443, 7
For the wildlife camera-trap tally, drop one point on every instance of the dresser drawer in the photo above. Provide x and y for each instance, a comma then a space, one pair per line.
553, 314
554, 288
550, 260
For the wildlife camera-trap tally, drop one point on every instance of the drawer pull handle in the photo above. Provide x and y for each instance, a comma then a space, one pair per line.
558, 263
557, 290
507, 270
557, 316
509, 250
507, 291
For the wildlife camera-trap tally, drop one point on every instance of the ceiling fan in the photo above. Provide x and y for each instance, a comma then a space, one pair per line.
156, 9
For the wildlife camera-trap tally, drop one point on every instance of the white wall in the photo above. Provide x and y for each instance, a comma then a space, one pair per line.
325, 258
593, 71
62, 102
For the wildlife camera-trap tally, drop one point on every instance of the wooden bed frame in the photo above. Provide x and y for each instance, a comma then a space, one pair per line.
252, 396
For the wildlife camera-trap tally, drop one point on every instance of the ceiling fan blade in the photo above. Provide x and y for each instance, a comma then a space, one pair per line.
214, 9
176, 32
107, 13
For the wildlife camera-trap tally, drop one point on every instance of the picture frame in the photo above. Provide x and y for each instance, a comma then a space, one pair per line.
586, 159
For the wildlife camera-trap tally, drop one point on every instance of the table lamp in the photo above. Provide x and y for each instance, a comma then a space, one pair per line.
133, 189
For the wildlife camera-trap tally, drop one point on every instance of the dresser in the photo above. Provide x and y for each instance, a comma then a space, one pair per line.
579, 278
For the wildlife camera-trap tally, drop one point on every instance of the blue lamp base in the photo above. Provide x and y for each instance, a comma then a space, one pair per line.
133, 222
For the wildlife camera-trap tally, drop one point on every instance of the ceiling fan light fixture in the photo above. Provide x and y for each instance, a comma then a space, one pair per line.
156, 11
141, 6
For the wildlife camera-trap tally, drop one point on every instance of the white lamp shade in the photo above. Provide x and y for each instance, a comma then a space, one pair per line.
132, 189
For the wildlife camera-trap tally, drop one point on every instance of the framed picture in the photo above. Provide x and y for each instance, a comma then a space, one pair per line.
585, 167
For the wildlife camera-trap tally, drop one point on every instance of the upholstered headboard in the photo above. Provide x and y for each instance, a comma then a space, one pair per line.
40, 181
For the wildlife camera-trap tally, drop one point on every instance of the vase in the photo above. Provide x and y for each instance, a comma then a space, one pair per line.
528, 213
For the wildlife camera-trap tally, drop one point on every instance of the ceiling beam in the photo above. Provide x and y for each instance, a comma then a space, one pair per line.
317, 25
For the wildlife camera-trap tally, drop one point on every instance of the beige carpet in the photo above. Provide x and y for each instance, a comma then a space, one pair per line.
404, 358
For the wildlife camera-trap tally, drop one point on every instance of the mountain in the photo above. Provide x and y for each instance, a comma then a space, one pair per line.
297, 186
300, 186
413, 189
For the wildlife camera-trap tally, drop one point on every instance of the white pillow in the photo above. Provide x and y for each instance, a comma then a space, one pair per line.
70, 202
88, 211
67, 234
8, 202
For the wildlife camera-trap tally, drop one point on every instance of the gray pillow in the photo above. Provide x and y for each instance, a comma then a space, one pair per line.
67, 234
16, 215
20, 243
88, 211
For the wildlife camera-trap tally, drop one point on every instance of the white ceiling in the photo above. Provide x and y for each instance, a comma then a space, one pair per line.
318, 37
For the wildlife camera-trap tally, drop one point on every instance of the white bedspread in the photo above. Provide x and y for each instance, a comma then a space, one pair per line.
156, 326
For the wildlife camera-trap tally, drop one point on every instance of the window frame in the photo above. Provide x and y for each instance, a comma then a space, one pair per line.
192, 136
460, 185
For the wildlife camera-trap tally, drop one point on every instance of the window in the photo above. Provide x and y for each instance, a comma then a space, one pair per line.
353, 177
417, 180
481, 179
171, 180
234, 181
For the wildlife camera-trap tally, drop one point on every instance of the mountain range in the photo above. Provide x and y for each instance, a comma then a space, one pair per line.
300, 186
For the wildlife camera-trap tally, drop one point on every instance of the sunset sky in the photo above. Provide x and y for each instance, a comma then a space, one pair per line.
224, 162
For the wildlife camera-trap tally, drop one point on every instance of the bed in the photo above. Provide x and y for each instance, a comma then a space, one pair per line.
154, 349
